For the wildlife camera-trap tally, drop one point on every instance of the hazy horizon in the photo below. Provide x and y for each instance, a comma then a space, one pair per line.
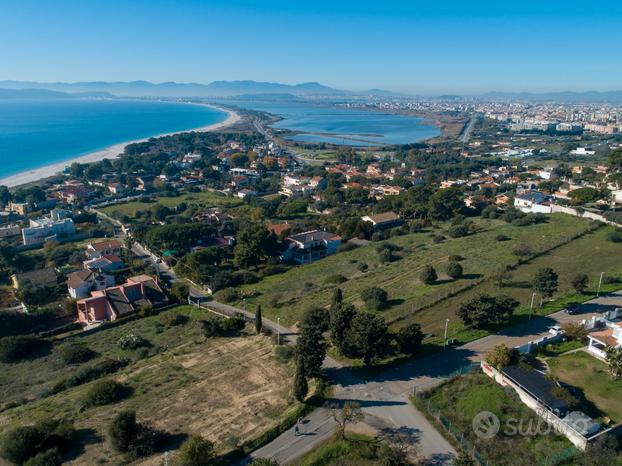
411, 47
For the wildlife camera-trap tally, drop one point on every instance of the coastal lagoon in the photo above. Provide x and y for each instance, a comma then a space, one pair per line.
345, 126
36, 133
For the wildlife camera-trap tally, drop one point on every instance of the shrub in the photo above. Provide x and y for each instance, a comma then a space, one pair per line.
274, 269
458, 231
454, 270
337, 279
614, 237
217, 326
244, 277
574, 331
428, 275
229, 295
105, 367
18, 348
409, 339
49, 457
502, 237
196, 451
522, 250
362, 267
375, 298
385, 255
172, 319
455, 258
76, 353
438, 239
103, 392
502, 356
34, 442
126, 435
131, 341
284, 353
347, 246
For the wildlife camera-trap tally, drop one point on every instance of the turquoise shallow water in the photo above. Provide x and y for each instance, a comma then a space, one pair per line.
35, 133
344, 126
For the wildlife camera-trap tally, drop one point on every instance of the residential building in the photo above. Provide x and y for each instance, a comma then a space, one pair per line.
118, 301
384, 220
107, 247
39, 277
600, 340
533, 201
81, 283
10, 230
104, 263
52, 228
307, 247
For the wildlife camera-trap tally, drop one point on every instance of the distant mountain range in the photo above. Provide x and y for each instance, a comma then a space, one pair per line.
263, 90
174, 89
47, 94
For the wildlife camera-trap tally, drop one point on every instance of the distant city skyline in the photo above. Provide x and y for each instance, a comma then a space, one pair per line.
411, 47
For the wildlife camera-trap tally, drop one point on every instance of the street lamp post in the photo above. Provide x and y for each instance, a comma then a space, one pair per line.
533, 296
446, 324
600, 282
278, 330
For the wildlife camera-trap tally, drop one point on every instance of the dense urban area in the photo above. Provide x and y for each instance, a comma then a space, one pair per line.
238, 297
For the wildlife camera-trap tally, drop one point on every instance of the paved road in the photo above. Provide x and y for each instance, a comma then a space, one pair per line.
464, 138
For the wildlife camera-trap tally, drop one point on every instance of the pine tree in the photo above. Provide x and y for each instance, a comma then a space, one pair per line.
301, 387
340, 322
258, 321
337, 298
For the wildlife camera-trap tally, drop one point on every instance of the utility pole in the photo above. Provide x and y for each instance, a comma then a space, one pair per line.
278, 330
533, 296
600, 282
446, 324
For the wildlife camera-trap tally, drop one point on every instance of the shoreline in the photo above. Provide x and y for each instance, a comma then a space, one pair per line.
110, 152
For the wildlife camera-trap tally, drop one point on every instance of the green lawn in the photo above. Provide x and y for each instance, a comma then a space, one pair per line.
288, 295
203, 199
462, 398
590, 375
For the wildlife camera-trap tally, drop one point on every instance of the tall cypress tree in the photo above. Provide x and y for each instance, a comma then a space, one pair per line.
301, 388
258, 321
337, 298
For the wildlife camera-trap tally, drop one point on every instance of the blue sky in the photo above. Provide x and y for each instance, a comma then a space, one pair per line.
412, 46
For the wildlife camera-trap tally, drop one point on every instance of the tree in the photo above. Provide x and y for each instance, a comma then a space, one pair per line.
21, 443
501, 356
375, 298
253, 244
483, 310
580, 282
103, 392
428, 275
454, 270
574, 331
122, 430
545, 281
51, 457
409, 339
337, 298
500, 275
311, 346
445, 204
615, 160
368, 336
258, 320
340, 322
196, 451
349, 413
614, 360
301, 388
180, 291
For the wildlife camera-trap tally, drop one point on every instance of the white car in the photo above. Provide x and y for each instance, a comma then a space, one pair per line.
555, 329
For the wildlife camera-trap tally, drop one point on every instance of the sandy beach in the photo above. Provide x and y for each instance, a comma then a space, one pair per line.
110, 152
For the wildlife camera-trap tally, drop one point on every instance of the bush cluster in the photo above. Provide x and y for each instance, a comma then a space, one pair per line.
219, 327
76, 353
132, 341
31, 445
18, 348
105, 367
104, 392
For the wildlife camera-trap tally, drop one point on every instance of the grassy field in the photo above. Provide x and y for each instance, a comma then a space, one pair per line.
354, 451
228, 390
287, 295
590, 375
203, 199
462, 398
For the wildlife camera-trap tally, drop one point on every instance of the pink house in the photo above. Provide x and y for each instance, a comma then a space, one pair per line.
118, 301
